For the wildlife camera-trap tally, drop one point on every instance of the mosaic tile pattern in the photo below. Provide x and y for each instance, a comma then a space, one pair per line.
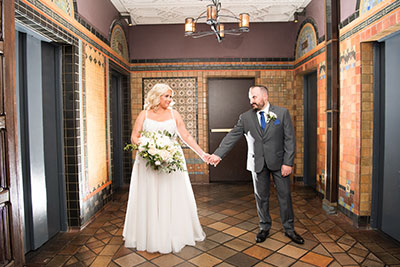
185, 98
229, 218
306, 40
118, 42
367, 5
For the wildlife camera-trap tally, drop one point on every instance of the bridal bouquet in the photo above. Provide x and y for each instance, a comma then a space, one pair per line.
160, 149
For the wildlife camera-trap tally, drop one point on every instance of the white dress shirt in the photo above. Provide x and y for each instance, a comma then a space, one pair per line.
266, 109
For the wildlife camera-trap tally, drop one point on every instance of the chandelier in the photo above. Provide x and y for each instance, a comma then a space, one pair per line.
213, 17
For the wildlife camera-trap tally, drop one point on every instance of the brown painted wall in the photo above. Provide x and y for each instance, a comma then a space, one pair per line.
347, 8
169, 41
98, 13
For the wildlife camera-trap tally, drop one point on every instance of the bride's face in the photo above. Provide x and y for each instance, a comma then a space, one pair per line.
166, 99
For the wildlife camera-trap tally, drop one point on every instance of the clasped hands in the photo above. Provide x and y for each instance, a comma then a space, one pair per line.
211, 159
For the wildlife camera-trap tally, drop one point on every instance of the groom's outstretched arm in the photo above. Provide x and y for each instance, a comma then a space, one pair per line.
230, 139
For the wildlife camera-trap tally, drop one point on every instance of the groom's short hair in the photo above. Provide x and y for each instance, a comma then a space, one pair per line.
263, 88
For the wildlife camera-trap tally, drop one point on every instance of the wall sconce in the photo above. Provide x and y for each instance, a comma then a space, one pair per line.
298, 14
127, 17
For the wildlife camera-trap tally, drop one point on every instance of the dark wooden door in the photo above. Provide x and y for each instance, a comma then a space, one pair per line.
310, 129
227, 99
11, 251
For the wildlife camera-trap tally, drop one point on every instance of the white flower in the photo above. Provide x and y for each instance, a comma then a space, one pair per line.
165, 154
153, 151
158, 163
144, 140
271, 116
163, 141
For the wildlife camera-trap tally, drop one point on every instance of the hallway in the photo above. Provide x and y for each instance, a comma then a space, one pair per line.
228, 215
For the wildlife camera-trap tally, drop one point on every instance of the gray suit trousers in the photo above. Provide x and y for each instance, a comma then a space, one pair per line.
261, 183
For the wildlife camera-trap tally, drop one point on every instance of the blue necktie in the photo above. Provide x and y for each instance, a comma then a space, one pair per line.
262, 120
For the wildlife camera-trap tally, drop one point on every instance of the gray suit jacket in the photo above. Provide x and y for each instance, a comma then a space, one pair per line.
274, 146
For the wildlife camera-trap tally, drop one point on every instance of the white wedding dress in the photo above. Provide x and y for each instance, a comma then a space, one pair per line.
162, 214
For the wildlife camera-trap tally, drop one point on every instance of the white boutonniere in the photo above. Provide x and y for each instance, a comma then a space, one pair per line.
271, 116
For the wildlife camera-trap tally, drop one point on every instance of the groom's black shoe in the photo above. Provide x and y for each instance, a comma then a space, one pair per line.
296, 238
262, 235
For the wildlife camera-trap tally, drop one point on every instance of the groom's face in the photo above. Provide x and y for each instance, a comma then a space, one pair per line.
258, 99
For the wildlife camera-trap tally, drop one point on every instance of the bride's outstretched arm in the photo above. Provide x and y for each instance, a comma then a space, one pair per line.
187, 138
137, 127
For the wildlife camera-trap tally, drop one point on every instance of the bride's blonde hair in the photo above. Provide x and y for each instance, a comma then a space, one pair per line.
153, 96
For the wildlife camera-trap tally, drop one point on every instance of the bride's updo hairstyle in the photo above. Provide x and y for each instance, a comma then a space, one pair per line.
153, 96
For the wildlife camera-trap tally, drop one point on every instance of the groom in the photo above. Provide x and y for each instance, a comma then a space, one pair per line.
271, 148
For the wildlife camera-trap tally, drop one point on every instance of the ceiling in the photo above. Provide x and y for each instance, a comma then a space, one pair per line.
175, 11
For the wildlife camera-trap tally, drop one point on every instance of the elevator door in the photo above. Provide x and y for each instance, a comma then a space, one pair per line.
391, 166
310, 129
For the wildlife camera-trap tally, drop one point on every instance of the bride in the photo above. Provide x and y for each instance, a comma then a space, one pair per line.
161, 215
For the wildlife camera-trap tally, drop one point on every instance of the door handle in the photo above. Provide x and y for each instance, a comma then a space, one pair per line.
221, 130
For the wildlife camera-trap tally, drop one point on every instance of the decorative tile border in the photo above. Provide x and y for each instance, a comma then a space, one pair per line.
205, 60
178, 67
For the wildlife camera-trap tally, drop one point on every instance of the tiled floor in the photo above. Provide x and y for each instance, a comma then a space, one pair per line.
228, 216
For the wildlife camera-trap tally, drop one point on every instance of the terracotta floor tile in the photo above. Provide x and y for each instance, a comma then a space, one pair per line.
344, 259
321, 250
205, 260
147, 255
110, 250
221, 237
249, 237
167, 260
258, 252
130, 260
219, 226
278, 259
58, 261
234, 231
281, 237
248, 226
231, 221
332, 247
371, 263
263, 264
316, 259
271, 244
189, 252
241, 260
292, 251
217, 216
101, 261
238, 244
222, 252
206, 245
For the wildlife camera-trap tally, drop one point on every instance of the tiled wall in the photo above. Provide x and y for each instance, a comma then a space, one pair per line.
356, 112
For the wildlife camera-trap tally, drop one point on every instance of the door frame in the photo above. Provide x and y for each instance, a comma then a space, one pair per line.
378, 133
125, 116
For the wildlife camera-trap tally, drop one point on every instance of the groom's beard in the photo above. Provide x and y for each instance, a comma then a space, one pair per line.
258, 106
